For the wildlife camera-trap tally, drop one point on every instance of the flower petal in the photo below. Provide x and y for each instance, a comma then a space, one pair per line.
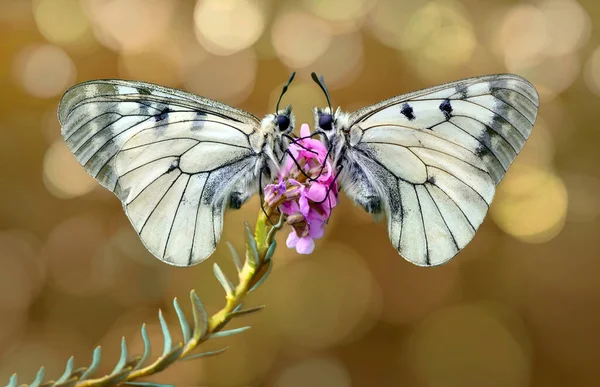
317, 229
289, 208
305, 245
304, 206
304, 130
292, 240
316, 192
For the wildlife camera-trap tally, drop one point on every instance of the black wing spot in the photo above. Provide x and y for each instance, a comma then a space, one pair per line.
201, 113
462, 92
431, 180
162, 115
174, 165
143, 91
266, 171
371, 204
446, 108
235, 200
407, 110
486, 139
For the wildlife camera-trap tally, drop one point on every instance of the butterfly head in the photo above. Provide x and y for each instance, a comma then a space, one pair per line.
330, 124
280, 124
327, 123
283, 121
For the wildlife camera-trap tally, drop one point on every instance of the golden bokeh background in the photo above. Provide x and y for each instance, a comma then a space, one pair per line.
520, 306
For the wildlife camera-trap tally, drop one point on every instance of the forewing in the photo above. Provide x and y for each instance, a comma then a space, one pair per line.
172, 158
435, 156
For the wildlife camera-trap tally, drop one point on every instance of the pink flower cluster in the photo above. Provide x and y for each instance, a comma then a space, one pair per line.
307, 196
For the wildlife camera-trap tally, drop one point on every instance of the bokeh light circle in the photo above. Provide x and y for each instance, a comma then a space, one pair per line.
469, 345
531, 204
226, 27
44, 71
300, 49
64, 177
229, 78
333, 296
129, 25
315, 372
61, 21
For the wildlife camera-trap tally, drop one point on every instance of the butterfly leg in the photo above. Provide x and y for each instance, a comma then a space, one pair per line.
261, 194
287, 152
331, 186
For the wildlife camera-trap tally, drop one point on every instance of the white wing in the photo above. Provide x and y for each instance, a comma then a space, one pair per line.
175, 160
431, 160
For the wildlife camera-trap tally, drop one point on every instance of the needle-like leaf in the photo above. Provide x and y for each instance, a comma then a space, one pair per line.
185, 326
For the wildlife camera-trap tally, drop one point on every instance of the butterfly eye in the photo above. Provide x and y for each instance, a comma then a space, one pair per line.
325, 121
283, 122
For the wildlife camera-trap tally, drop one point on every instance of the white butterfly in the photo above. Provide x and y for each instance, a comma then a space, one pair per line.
430, 160
176, 160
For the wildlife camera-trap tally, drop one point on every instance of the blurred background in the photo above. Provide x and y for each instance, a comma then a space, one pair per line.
520, 306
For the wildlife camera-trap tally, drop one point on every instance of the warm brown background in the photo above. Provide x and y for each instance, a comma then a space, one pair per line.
520, 306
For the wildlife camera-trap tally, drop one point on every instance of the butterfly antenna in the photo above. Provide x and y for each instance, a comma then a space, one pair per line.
321, 82
285, 88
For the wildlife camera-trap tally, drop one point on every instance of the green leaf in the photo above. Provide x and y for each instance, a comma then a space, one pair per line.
185, 326
236, 257
275, 228
244, 312
123, 358
96, 356
68, 371
169, 358
229, 332
264, 277
39, 378
168, 342
205, 354
270, 251
13, 381
147, 348
200, 315
225, 282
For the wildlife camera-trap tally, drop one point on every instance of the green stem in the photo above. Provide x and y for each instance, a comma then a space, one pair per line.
250, 274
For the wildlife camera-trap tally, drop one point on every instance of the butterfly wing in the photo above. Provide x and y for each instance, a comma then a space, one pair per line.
431, 160
173, 158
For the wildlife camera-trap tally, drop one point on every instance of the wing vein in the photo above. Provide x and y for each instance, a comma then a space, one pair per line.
159, 201
462, 181
442, 216
196, 218
427, 259
109, 140
175, 216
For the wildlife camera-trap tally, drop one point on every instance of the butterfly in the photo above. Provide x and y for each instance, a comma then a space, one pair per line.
176, 160
430, 160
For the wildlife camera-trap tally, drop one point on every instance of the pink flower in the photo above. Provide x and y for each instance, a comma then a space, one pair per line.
305, 196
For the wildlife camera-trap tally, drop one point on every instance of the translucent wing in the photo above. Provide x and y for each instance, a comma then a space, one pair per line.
431, 160
174, 159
